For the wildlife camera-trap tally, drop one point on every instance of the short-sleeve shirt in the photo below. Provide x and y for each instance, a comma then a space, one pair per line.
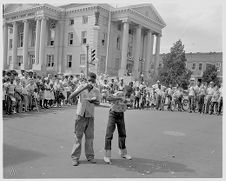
84, 107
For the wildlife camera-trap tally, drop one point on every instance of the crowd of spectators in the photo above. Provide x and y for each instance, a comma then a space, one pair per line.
27, 91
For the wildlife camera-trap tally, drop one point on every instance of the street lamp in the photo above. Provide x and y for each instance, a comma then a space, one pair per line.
87, 60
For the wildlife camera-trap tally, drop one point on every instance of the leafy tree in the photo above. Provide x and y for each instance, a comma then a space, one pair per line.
210, 74
174, 69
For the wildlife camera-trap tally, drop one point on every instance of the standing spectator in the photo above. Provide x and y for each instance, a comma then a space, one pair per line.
214, 100
169, 94
209, 95
18, 95
220, 100
201, 97
191, 95
30, 89
137, 98
25, 96
11, 101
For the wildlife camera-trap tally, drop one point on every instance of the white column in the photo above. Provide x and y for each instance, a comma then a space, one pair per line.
42, 43
125, 38
157, 51
149, 53
5, 45
137, 52
37, 41
25, 44
14, 51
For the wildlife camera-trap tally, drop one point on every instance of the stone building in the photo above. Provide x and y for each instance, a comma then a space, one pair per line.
45, 38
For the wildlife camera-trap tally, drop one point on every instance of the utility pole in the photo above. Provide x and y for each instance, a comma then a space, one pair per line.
87, 61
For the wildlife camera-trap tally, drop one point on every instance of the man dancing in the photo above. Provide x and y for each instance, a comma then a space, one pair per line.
116, 117
84, 123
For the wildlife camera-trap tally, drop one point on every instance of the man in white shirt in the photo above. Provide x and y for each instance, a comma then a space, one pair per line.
84, 123
191, 95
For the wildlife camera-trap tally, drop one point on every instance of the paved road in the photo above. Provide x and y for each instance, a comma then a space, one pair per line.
163, 144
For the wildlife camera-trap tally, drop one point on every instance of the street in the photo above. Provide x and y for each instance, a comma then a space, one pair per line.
163, 145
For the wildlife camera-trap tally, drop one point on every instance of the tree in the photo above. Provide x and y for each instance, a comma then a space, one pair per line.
210, 74
174, 69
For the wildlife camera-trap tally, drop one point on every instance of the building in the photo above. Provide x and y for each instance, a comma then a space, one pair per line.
197, 63
46, 38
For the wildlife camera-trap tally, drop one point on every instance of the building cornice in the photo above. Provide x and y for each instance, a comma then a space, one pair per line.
139, 15
85, 8
33, 11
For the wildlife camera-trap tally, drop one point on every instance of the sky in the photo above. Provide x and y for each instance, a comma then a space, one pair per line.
197, 23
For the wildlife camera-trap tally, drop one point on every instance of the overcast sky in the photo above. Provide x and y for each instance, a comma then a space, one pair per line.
198, 23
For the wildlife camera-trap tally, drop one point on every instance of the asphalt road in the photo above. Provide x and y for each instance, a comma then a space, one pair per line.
162, 144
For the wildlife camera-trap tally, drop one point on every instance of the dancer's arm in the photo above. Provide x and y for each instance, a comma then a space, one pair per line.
79, 90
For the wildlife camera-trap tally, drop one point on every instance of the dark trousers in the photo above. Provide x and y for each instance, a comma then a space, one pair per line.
220, 106
158, 101
213, 107
201, 103
115, 118
169, 103
136, 102
191, 103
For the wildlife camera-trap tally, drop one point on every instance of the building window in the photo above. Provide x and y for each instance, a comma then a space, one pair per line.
69, 61
50, 61
10, 60
118, 43
51, 34
103, 42
82, 59
19, 60
130, 32
11, 30
193, 66
71, 21
200, 66
84, 37
10, 43
33, 36
70, 38
119, 27
84, 19
20, 43
32, 59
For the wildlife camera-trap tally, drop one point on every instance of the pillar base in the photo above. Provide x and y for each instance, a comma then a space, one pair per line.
122, 72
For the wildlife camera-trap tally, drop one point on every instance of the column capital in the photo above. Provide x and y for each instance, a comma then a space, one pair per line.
44, 18
126, 21
25, 21
14, 23
138, 26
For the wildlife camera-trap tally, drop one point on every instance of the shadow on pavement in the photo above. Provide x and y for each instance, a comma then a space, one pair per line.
13, 155
147, 166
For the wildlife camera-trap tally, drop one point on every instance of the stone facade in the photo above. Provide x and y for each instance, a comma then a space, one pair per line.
45, 38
